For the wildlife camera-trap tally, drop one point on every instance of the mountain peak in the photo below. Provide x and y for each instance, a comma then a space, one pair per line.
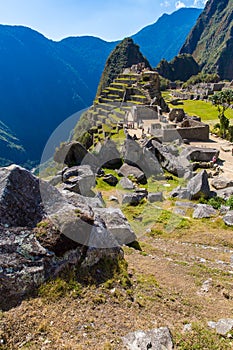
126, 54
213, 30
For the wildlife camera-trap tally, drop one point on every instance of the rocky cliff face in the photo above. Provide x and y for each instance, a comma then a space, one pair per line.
125, 55
211, 40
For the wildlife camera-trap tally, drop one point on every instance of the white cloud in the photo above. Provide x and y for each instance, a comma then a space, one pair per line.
199, 3
180, 4
165, 3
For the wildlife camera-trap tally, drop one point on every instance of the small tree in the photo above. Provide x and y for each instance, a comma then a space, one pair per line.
222, 100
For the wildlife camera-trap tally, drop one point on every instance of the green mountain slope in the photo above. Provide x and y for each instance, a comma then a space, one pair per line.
164, 38
211, 40
125, 55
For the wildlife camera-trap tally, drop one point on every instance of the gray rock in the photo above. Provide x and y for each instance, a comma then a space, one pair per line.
176, 165
224, 209
188, 205
198, 154
221, 183
225, 193
228, 218
157, 339
20, 197
155, 197
117, 225
223, 326
109, 156
79, 179
128, 171
113, 199
55, 180
126, 184
179, 211
204, 211
25, 264
78, 200
110, 179
198, 186
73, 153
134, 154
181, 193
131, 199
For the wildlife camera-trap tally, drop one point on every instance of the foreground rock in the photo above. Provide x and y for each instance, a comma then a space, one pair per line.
204, 211
221, 183
20, 197
79, 179
225, 193
134, 154
132, 171
198, 186
228, 218
157, 339
71, 233
223, 326
73, 153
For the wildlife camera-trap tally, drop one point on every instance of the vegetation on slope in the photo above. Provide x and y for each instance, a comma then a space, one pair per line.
210, 41
125, 55
181, 67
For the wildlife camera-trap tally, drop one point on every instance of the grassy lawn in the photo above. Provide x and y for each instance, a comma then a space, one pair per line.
202, 109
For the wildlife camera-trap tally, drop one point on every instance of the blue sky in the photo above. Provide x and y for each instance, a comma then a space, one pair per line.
107, 19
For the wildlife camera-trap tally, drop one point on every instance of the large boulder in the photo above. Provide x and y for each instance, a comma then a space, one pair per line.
73, 153
198, 186
157, 339
228, 218
134, 154
132, 171
126, 184
221, 182
70, 233
176, 165
109, 156
225, 193
199, 154
110, 179
79, 179
117, 225
20, 197
204, 211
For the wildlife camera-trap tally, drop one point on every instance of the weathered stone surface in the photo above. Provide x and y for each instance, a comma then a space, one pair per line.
126, 184
79, 179
228, 218
110, 179
25, 264
157, 339
134, 154
109, 156
78, 200
20, 198
131, 199
223, 326
181, 193
176, 165
55, 180
72, 233
155, 197
73, 153
221, 183
199, 154
129, 170
188, 205
117, 225
204, 211
225, 193
198, 186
